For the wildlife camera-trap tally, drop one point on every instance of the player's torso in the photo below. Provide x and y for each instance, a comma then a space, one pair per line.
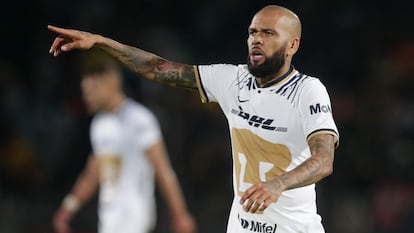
266, 130
267, 140
125, 174
126, 201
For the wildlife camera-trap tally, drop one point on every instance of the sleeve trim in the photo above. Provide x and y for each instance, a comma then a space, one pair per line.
325, 131
200, 87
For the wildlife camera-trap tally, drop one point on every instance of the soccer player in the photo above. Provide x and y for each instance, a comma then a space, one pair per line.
128, 151
282, 129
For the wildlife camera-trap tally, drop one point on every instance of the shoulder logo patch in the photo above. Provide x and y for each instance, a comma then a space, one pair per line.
319, 108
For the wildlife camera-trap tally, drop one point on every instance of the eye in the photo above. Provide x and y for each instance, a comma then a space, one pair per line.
269, 33
252, 32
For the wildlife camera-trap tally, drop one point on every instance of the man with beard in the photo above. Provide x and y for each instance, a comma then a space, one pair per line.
282, 130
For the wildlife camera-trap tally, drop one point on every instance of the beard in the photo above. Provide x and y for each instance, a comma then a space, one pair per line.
270, 66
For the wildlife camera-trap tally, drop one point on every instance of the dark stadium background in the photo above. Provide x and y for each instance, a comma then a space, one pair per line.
362, 50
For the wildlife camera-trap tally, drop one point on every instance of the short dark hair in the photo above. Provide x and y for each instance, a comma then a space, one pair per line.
96, 61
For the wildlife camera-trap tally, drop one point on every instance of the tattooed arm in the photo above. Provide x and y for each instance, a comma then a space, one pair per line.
150, 65
318, 166
147, 64
259, 196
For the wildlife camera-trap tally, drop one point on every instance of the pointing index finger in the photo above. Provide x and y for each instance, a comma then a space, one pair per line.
62, 31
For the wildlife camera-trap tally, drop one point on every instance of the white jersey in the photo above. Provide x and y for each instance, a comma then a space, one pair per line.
119, 140
269, 128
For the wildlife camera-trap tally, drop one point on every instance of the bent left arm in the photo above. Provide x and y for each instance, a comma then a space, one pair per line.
317, 167
259, 196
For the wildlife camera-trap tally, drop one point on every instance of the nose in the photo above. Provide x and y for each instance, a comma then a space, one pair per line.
256, 39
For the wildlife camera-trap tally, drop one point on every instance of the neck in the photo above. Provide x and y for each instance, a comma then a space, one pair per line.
280, 74
115, 102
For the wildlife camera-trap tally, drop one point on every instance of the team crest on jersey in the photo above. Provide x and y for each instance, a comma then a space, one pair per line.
258, 121
256, 226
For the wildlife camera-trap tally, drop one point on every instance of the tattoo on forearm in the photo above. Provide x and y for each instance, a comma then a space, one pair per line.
316, 167
182, 77
155, 68
167, 76
133, 58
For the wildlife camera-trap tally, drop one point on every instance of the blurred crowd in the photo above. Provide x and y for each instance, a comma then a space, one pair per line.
362, 51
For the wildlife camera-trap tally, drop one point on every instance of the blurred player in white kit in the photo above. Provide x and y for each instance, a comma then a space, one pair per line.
128, 152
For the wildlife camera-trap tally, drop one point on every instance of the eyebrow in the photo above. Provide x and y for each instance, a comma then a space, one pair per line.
251, 29
262, 30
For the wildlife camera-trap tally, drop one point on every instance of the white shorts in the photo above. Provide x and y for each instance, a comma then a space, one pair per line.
249, 227
241, 224
125, 220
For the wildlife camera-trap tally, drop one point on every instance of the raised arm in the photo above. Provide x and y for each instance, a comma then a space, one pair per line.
147, 64
259, 196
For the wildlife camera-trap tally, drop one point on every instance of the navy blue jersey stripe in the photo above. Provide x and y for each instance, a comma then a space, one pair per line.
296, 87
297, 76
244, 79
293, 84
318, 130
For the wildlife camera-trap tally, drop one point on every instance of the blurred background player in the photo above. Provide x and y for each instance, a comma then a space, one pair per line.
128, 150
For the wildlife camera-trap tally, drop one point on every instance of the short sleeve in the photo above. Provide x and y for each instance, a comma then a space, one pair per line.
316, 111
106, 136
148, 131
214, 80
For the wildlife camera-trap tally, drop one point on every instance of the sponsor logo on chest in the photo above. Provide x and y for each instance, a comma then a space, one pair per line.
258, 121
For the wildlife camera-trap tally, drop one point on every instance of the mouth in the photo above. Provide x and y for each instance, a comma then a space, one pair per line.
256, 55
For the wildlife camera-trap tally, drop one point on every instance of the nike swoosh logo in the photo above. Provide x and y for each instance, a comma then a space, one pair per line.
241, 101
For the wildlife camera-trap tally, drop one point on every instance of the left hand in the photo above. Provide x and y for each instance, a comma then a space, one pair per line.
183, 223
260, 195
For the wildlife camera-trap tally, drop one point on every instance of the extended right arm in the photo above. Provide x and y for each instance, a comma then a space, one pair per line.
147, 64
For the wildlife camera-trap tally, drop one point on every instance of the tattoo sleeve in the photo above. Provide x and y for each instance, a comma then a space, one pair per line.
175, 74
318, 166
151, 66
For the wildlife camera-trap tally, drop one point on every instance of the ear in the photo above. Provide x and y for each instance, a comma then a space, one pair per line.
293, 46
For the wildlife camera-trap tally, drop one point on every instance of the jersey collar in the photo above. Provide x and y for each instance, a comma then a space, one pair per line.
285, 75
